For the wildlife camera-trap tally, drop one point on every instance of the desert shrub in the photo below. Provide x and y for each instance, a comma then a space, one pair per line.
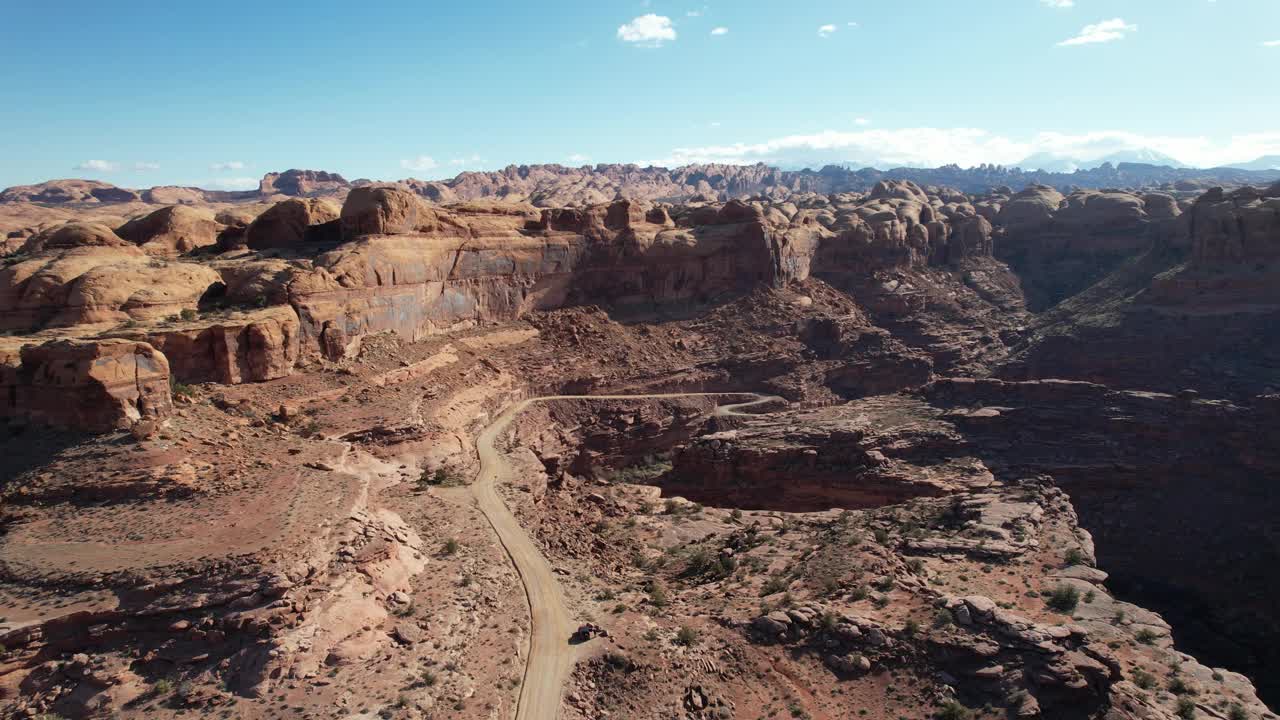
1064, 599
774, 584
451, 546
1146, 636
658, 596
187, 314
687, 636
1144, 679
953, 710
1186, 708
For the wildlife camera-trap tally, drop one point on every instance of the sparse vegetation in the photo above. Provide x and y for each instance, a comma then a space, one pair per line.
1144, 679
1186, 708
775, 584
953, 710
687, 636
1064, 599
451, 546
1146, 636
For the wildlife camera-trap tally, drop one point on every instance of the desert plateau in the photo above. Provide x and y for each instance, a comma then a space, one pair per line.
743, 437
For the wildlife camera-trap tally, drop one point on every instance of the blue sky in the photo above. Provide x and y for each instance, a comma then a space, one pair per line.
216, 94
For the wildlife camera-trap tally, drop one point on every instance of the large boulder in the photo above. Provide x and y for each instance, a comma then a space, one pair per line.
382, 210
293, 222
91, 385
172, 231
1033, 206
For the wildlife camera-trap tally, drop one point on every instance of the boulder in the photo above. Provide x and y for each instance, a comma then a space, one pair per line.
293, 222
90, 385
382, 210
171, 231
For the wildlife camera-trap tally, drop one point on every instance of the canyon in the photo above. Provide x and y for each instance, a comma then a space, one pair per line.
362, 449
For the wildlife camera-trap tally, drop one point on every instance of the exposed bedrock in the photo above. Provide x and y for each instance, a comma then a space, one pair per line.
1177, 491
93, 385
241, 347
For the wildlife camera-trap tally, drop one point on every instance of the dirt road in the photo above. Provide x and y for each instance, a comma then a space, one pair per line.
550, 656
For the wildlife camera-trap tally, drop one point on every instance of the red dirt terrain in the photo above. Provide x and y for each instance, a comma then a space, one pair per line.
337, 449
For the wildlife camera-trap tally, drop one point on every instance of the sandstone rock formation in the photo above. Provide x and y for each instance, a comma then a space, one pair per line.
171, 231
68, 191
293, 222
300, 183
97, 385
85, 285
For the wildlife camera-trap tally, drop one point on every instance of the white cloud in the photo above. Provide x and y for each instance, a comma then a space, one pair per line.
579, 159
144, 166
647, 31
468, 160
228, 165
1105, 31
231, 183
861, 121
1058, 3
1271, 43
851, 24
714, 124
826, 30
931, 147
694, 13
98, 166
421, 163
720, 31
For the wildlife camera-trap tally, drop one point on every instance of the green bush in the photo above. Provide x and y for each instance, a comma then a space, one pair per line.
774, 584
1186, 708
687, 636
1144, 679
1064, 599
952, 710
451, 546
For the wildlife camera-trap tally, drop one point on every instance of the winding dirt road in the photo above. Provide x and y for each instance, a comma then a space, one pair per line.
550, 656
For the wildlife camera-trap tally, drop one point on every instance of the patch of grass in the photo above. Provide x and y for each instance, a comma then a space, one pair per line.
187, 314
1075, 556
163, 686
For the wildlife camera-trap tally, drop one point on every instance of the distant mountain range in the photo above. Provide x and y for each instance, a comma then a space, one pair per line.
1266, 162
1054, 162
560, 186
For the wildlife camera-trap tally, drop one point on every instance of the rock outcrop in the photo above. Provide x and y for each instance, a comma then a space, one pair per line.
293, 222
60, 192
92, 385
85, 285
171, 231
241, 347
301, 183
